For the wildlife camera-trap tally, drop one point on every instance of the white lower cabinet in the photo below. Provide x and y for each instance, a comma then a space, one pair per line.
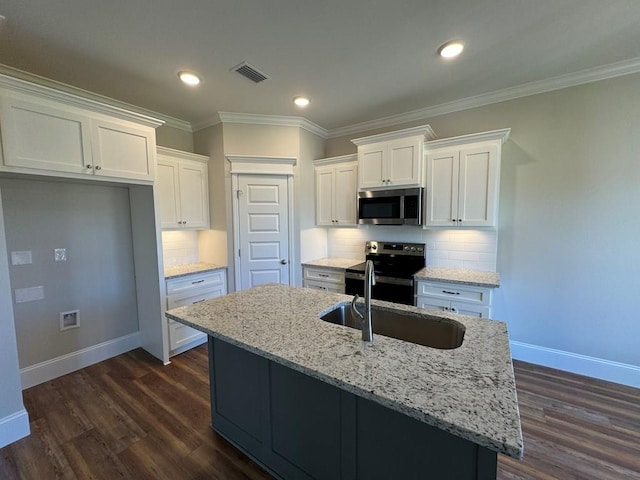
189, 290
455, 298
327, 279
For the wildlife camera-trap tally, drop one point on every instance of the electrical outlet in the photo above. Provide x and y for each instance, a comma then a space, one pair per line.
60, 254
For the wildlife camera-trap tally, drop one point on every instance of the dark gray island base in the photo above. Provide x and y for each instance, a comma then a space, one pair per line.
307, 399
298, 427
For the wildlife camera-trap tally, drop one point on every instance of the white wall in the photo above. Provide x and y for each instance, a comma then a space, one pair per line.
14, 420
569, 224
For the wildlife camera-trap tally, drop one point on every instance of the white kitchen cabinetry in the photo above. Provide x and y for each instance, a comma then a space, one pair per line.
455, 298
189, 290
336, 191
392, 160
183, 192
327, 279
50, 137
463, 180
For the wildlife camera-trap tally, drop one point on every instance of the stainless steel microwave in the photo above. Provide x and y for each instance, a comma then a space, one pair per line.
390, 207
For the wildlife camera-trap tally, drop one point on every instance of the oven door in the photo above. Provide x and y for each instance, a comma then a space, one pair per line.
390, 289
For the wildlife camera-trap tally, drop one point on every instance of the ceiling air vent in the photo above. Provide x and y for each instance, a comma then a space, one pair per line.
250, 72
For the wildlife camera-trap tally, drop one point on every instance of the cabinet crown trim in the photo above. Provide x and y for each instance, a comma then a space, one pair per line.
340, 159
422, 130
502, 135
170, 152
13, 84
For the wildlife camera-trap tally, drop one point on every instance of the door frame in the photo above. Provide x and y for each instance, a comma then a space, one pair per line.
257, 165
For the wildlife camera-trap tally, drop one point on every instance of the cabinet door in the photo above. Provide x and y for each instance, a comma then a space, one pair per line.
194, 195
324, 196
167, 191
123, 151
345, 195
404, 158
462, 308
46, 138
478, 186
442, 188
372, 166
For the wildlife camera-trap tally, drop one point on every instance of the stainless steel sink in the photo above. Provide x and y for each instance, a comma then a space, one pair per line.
430, 332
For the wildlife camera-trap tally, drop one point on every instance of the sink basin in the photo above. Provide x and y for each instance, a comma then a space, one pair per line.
430, 332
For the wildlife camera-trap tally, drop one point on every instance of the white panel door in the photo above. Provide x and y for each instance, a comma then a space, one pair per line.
263, 218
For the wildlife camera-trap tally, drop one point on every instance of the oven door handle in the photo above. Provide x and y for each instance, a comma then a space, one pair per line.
380, 279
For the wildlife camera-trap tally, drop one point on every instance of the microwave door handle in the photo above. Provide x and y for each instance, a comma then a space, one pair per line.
402, 208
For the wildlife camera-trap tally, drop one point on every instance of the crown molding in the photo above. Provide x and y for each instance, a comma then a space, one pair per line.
423, 131
36, 85
259, 119
171, 152
502, 135
340, 159
532, 88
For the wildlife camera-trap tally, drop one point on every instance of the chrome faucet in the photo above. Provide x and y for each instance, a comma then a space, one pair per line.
365, 317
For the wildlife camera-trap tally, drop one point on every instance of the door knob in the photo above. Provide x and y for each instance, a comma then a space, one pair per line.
283, 261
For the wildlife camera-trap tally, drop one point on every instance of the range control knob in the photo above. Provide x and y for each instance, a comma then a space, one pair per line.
413, 249
406, 248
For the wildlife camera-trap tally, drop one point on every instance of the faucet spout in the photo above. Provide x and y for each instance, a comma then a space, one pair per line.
369, 282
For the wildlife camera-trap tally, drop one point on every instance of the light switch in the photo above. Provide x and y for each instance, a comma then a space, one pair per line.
60, 254
30, 294
21, 258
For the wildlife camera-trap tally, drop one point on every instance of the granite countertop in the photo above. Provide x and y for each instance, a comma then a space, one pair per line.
336, 263
190, 269
468, 391
458, 275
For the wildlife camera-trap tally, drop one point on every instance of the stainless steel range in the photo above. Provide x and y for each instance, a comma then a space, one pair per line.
394, 266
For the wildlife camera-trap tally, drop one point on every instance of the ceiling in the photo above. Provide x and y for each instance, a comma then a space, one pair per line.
357, 60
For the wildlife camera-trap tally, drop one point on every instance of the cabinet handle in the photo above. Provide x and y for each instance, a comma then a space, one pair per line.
323, 275
450, 293
197, 281
198, 301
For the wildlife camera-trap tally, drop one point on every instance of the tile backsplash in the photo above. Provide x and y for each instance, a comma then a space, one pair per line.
471, 249
179, 247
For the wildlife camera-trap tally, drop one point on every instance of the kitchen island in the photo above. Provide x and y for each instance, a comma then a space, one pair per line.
308, 399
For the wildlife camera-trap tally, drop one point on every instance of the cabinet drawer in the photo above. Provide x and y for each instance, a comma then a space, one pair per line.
327, 287
455, 292
461, 308
322, 275
196, 281
193, 297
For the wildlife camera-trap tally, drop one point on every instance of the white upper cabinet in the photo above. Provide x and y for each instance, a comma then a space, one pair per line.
182, 190
392, 160
336, 191
463, 180
52, 135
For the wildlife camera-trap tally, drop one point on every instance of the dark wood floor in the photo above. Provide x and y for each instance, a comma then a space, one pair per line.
132, 418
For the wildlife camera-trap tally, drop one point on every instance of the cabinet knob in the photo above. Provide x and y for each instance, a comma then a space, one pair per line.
98, 167
89, 167
459, 220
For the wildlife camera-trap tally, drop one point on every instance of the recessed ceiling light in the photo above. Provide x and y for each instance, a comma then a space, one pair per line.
451, 49
301, 101
189, 78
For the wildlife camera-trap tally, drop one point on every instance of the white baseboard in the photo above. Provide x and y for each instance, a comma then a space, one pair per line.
56, 367
14, 427
617, 372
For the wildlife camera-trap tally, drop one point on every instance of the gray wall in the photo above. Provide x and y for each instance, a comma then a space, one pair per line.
93, 223
569, 222
172, 137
